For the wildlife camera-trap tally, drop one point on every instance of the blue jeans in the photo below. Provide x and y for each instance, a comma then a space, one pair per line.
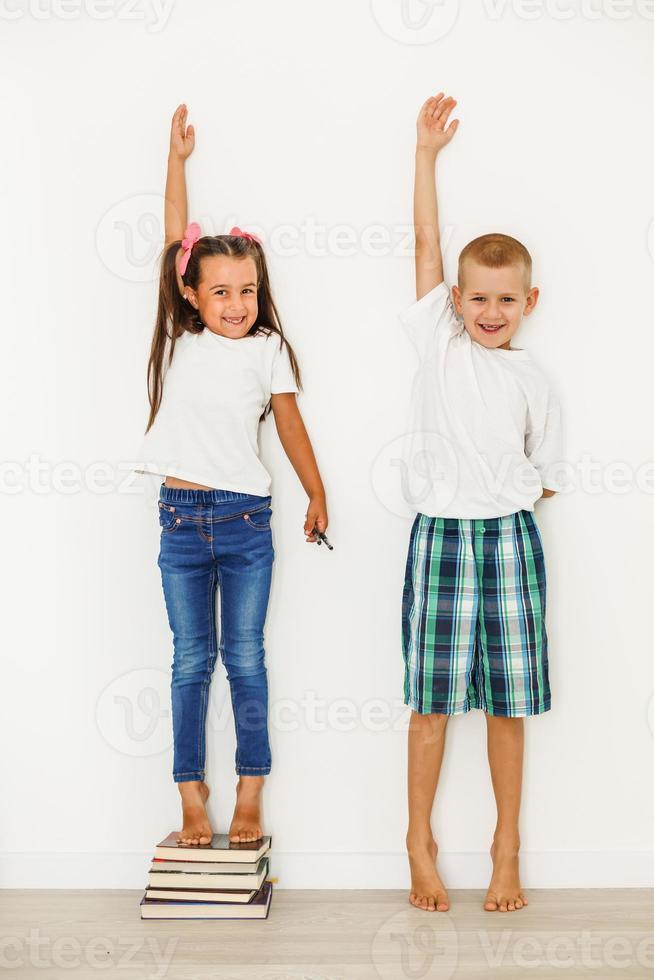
210, 539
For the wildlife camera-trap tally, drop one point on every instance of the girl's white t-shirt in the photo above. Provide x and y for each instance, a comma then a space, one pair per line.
214, 391
484, 435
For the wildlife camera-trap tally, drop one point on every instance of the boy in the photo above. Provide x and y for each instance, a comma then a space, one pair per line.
473, 605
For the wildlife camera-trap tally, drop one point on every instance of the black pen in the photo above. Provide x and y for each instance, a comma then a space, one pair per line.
322, 537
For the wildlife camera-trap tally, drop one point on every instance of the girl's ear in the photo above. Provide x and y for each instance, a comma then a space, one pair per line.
189, 294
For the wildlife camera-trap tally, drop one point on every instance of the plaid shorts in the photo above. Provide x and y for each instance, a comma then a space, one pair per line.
473, 616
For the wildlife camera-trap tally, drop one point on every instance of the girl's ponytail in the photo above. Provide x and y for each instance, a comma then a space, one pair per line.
172, 309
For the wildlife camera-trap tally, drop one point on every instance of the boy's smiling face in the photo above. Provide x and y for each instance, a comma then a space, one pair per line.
492, 302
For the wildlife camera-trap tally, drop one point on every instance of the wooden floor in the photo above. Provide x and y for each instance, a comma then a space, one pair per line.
331, 935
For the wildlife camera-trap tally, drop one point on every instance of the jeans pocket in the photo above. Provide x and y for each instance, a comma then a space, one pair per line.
169, 520
259, 520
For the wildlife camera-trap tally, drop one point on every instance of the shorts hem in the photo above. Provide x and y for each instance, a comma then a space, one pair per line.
489, 710
515, 712
436, 709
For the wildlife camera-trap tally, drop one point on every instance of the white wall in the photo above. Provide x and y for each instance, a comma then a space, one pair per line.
305, 114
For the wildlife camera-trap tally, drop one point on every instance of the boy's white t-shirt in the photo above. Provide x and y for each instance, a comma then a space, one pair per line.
484, 431
214, 391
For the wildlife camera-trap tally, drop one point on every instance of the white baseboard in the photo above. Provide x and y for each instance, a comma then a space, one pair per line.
558, 869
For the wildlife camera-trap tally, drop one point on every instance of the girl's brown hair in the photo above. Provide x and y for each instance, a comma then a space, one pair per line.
173, 308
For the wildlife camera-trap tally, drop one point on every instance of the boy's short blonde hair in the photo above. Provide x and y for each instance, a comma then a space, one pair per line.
494, 251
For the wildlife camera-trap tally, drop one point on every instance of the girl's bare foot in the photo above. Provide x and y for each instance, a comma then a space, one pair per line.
504, 892
427, 889
196, 829
246, 822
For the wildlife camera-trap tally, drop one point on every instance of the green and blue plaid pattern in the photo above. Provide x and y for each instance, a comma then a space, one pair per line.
473, 616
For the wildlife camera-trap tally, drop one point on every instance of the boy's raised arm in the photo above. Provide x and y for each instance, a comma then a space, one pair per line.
432, 137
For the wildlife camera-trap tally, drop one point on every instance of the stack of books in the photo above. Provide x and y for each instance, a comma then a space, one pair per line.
220, 880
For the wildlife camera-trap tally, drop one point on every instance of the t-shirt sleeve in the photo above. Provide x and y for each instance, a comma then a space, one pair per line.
281, 378
430, 317
544, 444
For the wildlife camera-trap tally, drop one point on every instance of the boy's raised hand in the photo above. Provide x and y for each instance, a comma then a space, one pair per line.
182, 138
431, 123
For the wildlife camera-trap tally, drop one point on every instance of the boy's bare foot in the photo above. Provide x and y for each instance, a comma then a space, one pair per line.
504, 892
246, 822
196, 829
427, 889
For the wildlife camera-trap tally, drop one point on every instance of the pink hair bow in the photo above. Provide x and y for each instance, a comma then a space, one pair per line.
244, 234
192, 234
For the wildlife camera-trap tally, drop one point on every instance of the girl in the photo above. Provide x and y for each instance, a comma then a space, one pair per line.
219, 370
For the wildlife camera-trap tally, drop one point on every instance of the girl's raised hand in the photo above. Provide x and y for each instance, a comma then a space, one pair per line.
182, 138
431, 122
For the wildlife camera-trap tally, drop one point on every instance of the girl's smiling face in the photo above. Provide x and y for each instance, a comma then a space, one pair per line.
492, 302
226, 297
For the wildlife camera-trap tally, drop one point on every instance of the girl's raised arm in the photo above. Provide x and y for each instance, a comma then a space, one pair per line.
182, 141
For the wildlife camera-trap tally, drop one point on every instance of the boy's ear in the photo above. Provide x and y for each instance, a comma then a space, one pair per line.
456, 297
531, 300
